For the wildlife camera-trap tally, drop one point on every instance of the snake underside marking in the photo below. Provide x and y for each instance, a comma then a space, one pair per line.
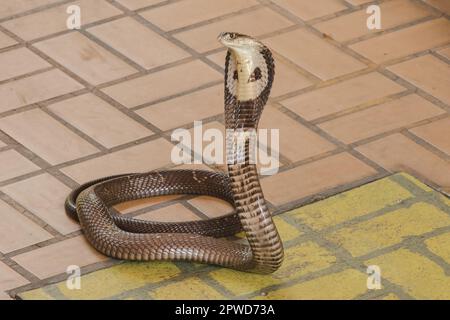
249, 74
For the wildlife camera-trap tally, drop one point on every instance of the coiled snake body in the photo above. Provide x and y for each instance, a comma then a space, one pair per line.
249, 72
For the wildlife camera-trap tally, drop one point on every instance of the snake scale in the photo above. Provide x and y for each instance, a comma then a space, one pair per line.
249, 75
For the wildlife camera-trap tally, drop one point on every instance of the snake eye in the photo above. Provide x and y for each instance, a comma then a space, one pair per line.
232, 36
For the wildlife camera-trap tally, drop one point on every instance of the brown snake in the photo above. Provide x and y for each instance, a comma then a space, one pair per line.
249, 74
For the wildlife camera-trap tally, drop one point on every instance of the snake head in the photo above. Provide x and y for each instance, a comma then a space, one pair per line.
237, 41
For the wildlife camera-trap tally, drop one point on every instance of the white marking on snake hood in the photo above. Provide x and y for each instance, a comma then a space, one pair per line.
250, 68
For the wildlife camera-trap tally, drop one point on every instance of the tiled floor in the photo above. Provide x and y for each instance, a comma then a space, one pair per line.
396, 223
352, 105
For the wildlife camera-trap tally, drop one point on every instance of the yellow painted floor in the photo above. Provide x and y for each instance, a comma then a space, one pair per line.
397, 225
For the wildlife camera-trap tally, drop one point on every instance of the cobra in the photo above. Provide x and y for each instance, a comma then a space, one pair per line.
249, 74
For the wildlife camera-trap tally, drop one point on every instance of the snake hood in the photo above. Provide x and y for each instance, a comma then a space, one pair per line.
249, 75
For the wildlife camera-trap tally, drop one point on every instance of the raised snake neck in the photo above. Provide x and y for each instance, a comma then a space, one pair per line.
249, 73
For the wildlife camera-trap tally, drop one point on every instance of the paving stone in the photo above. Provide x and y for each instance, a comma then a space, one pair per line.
85, 58
343, 285
310, 255
389, 229
428, 73
172, 213
435, 133
53, 20
361, 90
308, 143
381, 118
45, 136
190, 289
44, 196
204, 38
54, 259
17, 230
308, 10
130, 206
442, 5
99, 120
445, 52
211, 206
394, 153
14, 165
9, 279
314, 177
132, 159
351, 204
15, 7
405, 41
138, 43
322, 59
415, 274
162, 84
192, 11
29, 90
354, 25
439, 245
138, 4
6, 41
172, 113
18, 62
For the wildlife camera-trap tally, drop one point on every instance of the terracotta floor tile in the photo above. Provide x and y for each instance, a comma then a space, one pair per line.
192, 11
321, 59
18, 62
99, 120
13, 165
255, 23
137, 4
85, 58
54, 20
308, 10
211, 206
130, 206
307, 143
10, 8
138, 43
45, 136
17, 230
44, 196
144, 157
173, 213
405, 41
185, 109
54, 259
358, 2
445, 52
9, 279
6, 41
398, 153
287, 78
442, 5
314, 177
354, 25
381, 118
30, 90
436, 133
343, 95
428, 73
162, 84
5, 296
